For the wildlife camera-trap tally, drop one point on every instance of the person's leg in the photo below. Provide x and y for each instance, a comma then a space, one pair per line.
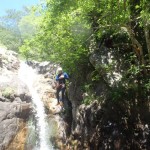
57, 95
63, 94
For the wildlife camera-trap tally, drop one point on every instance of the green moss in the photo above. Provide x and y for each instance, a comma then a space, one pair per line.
7, 92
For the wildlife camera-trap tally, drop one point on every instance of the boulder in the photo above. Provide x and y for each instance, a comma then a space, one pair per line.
10, 115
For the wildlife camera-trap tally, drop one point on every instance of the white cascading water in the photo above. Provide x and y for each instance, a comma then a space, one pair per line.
28, 76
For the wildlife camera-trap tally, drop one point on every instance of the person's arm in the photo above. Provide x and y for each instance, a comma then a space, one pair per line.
66, 76
57, 78
57, 82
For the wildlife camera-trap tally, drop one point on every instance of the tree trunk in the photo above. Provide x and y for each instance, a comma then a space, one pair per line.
136, 44
147, 37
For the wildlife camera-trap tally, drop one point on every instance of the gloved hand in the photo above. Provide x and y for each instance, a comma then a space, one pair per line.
61, 77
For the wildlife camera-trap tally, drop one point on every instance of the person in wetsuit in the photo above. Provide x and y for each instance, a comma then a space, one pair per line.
61, 85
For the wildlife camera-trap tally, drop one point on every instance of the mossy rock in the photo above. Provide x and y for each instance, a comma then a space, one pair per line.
8, 92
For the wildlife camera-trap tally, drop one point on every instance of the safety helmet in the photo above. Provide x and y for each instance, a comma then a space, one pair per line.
59, 70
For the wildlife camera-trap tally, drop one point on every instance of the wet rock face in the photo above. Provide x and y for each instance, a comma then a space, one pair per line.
20, 139
86, 132
102, 60
15, 106
75, 97
43, 67
8, 60
10, 115
15, 101
94, 131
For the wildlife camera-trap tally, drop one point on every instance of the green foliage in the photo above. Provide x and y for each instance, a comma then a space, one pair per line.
61, 37
147, 85
71, 30
88, 100
66, 27
95, 76
9, 30
118, 93
17, 26
28, 25
9, 39
88, 96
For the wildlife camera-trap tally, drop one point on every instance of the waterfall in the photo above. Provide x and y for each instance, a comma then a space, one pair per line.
28, 76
